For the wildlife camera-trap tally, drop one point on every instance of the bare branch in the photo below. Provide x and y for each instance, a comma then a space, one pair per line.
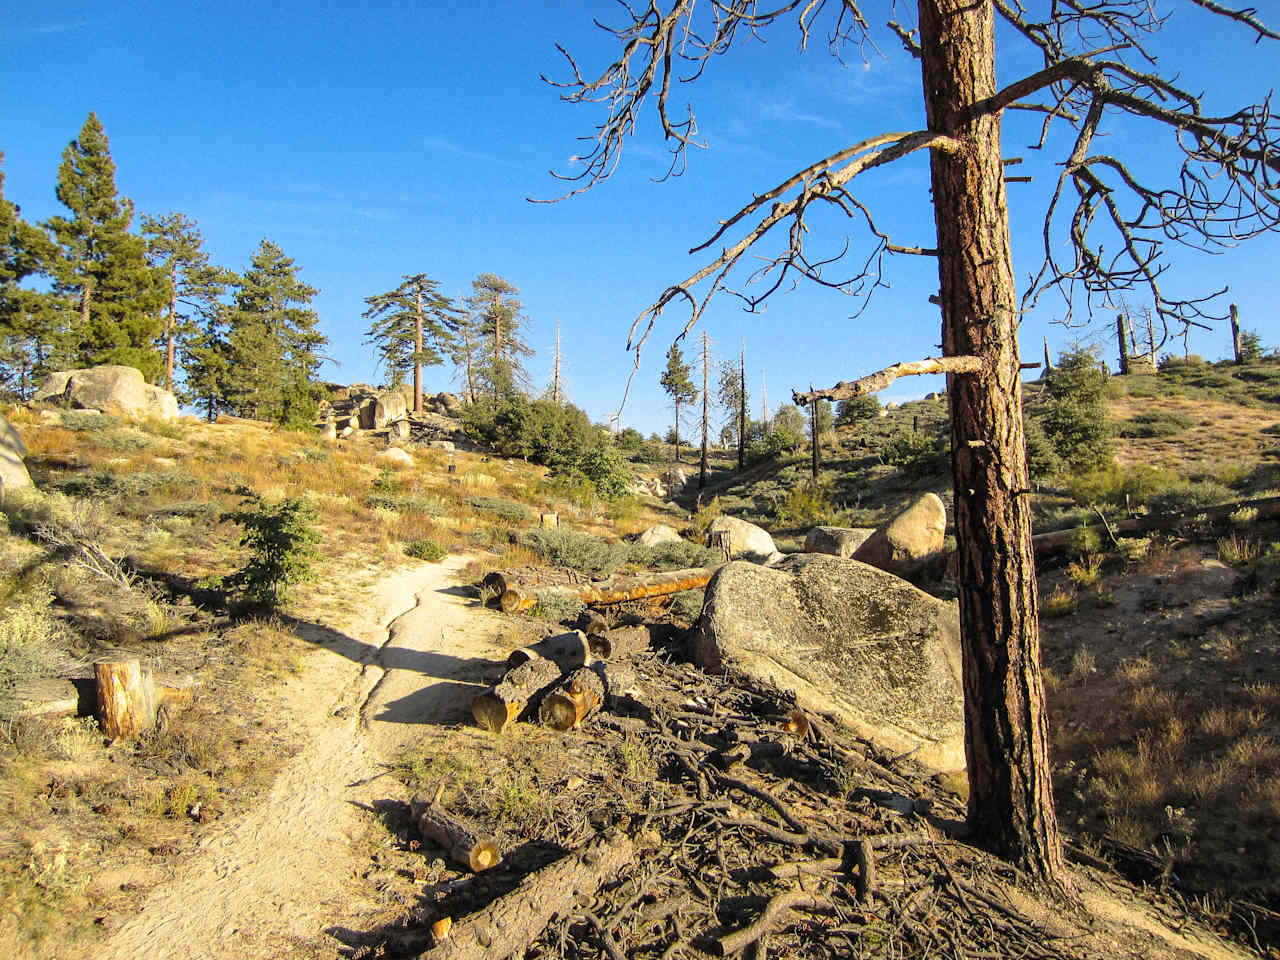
1247, 16
875, 382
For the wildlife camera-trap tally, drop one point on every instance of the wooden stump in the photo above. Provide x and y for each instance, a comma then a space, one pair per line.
522, 688
578, 696
550, 521
719, 541
460, 839
126, 698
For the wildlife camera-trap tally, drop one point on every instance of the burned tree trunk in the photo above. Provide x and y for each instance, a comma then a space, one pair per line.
1010, 791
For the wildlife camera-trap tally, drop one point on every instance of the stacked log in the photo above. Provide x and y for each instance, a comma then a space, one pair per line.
460, 839
561, 680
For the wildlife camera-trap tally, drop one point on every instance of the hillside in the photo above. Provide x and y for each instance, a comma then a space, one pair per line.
308, 729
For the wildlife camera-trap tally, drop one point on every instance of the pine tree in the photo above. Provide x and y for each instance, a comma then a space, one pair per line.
730, 394
175, 246
272, 350
101, 264
28, 318
413, 327
495, 321
679, 386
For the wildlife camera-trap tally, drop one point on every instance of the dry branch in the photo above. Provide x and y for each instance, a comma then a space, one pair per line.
773, 914
512, 922
881, 379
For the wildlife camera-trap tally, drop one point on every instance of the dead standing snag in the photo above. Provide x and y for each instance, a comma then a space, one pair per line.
1094, 67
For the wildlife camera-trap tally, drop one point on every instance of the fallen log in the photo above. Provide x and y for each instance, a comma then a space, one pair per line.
578, 695
1053, 546
568, 651
512, 922
516, 594
461, 840
521, 689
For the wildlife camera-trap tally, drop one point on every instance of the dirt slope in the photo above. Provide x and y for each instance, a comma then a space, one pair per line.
272, 882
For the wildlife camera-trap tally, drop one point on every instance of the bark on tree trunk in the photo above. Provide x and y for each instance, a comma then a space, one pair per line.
742, 408
126, 698
169, 329
1006, 741
706, 381
1120, 336
677, 430
417, 354
816, 465
1235, 334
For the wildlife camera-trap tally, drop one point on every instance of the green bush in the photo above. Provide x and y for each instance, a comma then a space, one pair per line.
1113, 483
770, 445
508, 510
917, 452
673, 555
281, 546
187, 508
1042, 460
1157, 423
550, 605
405, 503
1190, 495
1084, 541
856, 409
427, 550
1250, 346
602, 465
577, 551
85, 420
806, 505
1075, 416
100, 485
28, 651
687, 606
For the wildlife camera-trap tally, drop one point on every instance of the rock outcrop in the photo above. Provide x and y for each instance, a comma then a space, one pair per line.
111, 389
658, 533
360, 407
847, 639
836, 541
13, 472
908, 538
746, 540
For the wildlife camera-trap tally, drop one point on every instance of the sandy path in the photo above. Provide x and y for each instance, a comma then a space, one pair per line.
274, 879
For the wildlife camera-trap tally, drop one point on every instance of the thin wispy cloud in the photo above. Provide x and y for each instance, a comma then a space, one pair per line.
50, 29
447, 146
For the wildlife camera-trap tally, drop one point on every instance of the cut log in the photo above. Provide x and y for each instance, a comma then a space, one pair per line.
512, 922
461, 840
580, 694
619, 681
126, 698
521, 689
568, 651
628, 641
520, 594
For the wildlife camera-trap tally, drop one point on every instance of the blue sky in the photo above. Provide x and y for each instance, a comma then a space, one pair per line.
383, 139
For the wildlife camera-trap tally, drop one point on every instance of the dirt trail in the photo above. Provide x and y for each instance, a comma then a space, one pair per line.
271, 882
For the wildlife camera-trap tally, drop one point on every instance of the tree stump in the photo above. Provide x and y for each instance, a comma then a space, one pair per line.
522, 688
126, 698
460, 839
550, 521
719, 540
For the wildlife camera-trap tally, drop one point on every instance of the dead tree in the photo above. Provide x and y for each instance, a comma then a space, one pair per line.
1095, 67
706, 408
